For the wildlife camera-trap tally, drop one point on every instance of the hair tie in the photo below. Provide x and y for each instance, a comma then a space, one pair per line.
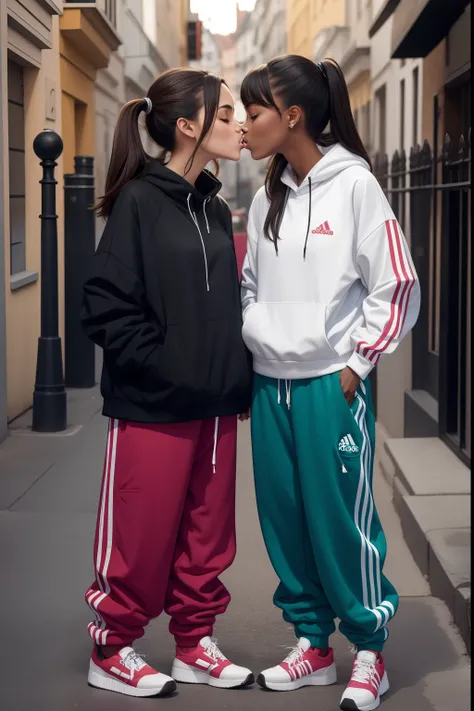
149, 105
322, 69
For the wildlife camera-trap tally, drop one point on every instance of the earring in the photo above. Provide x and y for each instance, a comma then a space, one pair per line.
292, 125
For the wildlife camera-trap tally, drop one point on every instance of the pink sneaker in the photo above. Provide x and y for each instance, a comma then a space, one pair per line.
126, 673
207, 665
368, 683
304, 666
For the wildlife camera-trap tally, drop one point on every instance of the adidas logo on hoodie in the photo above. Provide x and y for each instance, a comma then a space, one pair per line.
347, 445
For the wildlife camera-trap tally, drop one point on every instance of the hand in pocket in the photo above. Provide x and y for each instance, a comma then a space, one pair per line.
350, 381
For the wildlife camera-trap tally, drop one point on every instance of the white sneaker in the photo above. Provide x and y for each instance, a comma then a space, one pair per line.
127, 673
368, 683
304, 666
205, 664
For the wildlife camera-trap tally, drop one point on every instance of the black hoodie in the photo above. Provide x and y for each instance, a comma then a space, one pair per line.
163, 302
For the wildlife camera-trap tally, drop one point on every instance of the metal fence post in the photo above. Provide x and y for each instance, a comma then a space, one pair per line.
79, 247
49, 399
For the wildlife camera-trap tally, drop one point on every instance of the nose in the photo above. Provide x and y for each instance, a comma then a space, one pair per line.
243, 127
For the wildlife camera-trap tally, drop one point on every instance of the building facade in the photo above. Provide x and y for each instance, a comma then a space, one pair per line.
30, 90
229, 169
249, 56
210, 53
271, 37
63, 66
433, 378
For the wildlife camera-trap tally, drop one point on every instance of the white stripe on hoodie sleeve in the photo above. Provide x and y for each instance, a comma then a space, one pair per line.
392, 305
249, 269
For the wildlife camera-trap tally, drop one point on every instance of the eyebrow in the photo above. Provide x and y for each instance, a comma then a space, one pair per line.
227, 106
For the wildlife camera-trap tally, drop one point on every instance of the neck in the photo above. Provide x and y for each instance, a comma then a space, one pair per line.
179, 161
302, 154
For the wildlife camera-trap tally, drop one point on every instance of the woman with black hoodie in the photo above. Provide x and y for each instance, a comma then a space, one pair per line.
163, 303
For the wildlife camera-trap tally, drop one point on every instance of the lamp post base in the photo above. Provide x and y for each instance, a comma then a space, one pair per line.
50, 397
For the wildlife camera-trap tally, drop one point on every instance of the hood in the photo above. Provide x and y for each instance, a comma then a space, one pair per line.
178, 188
335, 159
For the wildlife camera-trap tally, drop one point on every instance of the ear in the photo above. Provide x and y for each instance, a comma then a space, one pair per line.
187, 128
294, 115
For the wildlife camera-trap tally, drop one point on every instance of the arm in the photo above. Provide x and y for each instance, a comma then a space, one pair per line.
392, 305
115, 314
249, 270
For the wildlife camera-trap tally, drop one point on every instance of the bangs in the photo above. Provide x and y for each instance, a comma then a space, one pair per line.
256, 89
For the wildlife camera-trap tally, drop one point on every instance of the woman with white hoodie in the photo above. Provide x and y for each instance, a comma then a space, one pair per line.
328, 287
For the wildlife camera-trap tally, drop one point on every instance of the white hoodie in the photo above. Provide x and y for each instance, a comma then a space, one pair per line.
346, 300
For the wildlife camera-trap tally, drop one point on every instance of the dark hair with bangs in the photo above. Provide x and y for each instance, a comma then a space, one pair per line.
320, 90
177, 93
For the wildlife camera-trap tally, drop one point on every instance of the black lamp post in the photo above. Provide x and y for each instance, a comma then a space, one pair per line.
49, 399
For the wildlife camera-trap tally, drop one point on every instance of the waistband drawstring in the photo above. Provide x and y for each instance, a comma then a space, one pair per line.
288, 393
195, 220
214, 453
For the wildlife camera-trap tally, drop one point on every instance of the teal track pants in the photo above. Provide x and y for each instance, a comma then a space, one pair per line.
313, 462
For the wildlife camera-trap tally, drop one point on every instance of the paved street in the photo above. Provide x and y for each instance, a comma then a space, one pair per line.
48, 494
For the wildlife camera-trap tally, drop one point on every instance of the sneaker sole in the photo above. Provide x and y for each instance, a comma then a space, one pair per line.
322, 677
194, 676
350, 704
99, 679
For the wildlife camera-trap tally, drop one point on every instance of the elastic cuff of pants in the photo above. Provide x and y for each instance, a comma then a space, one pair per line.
316, 641
373, 647
190, 641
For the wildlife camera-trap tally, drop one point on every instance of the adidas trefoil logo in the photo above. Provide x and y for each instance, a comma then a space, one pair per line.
347, 445
323, 229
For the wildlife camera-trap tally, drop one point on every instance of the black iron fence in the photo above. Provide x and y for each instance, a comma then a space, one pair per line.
431, 197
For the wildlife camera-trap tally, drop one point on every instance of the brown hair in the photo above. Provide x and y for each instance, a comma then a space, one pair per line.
177, 93
321, 91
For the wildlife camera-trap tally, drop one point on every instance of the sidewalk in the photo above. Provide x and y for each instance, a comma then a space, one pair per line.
49, 487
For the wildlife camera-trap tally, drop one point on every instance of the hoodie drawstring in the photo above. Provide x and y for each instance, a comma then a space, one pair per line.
288, 393
195, 220
309, 219
205, 215
216, 436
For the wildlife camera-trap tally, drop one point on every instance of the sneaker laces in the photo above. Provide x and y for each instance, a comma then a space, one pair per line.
133, 662
364, 671
214, 652
294, 656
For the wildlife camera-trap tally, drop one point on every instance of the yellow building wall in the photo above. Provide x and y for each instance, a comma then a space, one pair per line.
23, 305
360, 91
306, 18
78, 102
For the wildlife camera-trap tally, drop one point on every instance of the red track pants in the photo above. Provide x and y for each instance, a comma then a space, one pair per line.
165, 529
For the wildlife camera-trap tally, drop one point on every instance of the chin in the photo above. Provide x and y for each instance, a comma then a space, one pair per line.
235, 156
259, 155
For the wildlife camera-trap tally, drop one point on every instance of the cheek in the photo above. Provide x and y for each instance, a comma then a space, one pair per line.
268, 132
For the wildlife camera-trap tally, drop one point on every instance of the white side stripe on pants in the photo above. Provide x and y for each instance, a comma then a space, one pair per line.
98, 631
382, 610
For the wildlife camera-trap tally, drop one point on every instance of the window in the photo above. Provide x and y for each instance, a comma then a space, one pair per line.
111, 11
364, 128
402, 114
356, 119
416, 90
381, 105
16, 160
